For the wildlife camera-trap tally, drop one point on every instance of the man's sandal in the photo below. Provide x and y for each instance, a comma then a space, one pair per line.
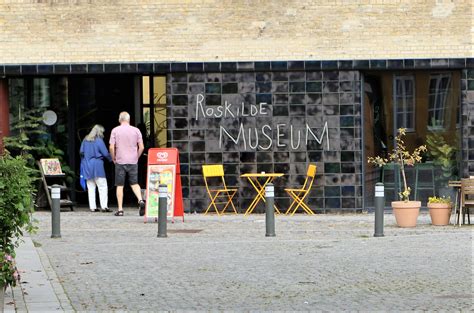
118, 213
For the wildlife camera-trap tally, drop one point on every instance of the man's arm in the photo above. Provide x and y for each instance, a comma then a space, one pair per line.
112, 145
112, 151
141, 147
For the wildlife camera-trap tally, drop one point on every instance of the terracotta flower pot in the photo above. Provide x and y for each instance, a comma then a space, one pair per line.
440, 213
406, 212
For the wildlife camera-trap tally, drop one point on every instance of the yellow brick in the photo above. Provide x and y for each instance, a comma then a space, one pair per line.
225, 30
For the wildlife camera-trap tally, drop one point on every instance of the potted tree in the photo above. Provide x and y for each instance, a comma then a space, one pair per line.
16, 207
406, 212
440, 210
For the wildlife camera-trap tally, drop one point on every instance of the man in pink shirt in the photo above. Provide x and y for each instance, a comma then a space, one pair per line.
126, 146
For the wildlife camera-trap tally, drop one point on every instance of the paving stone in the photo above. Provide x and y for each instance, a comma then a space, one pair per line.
319, 263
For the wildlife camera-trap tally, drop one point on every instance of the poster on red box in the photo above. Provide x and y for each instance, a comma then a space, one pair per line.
163, 168
160, 174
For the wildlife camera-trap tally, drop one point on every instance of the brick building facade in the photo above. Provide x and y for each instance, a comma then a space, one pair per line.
78, 31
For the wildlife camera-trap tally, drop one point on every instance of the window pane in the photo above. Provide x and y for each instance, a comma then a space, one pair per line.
41, 93
16, 94
438, 95
405, 101
408, 87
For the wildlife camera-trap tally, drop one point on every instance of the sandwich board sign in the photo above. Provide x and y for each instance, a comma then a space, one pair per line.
163, 168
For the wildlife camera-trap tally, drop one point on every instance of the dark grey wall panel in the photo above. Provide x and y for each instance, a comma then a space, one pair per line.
467, 114
208, 111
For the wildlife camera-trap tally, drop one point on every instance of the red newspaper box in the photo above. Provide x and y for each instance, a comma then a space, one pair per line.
163, 168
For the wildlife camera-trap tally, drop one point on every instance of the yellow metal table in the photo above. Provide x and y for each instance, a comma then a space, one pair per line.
259, 181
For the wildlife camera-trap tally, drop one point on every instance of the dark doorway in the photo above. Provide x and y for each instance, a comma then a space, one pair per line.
374, 132
99, 100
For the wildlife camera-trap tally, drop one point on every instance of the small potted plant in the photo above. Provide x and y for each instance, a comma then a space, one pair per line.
406, 212
444, 156
440, 210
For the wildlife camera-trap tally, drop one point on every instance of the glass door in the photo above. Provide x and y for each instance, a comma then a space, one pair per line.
154, 112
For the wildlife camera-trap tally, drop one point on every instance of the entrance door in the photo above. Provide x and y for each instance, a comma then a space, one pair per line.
99, 100
376, 136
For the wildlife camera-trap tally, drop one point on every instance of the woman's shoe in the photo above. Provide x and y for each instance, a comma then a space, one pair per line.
106, 210
119, 213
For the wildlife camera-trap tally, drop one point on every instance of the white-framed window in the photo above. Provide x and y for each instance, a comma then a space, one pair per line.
438, 112
404, 101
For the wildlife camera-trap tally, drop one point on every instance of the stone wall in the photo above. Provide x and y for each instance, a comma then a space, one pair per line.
47, 31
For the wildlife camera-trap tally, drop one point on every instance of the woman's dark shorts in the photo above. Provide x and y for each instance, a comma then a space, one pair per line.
121, 171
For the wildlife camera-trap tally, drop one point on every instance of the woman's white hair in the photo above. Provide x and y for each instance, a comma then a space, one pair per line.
124, 117
96, 132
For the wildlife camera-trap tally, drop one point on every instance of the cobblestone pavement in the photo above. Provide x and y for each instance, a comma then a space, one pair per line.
319, 263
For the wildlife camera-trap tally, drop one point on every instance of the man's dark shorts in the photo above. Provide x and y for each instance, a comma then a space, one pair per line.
121, 170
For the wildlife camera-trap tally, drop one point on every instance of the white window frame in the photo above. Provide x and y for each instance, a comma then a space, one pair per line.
403, 107
439, 105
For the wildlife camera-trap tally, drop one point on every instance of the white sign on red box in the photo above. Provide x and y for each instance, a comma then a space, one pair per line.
162, 156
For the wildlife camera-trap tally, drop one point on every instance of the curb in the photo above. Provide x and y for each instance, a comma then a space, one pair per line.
39, 289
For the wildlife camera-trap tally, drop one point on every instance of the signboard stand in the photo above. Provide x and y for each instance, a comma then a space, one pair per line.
51, 174
163, 168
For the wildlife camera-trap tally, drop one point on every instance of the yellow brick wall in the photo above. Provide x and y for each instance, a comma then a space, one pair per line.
231, 30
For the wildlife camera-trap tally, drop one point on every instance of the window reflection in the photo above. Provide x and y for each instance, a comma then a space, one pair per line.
159, 136
405, 101
426, 103
17, 99
438, 114
42, 94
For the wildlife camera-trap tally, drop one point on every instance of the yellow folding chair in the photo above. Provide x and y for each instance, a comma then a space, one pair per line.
222, 195
299, 195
